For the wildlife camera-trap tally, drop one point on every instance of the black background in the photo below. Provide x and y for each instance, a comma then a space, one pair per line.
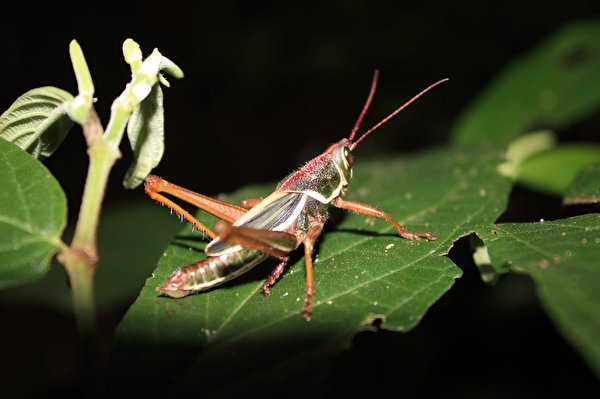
269, 85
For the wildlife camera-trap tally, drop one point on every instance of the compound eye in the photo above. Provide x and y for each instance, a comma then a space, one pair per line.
348, 156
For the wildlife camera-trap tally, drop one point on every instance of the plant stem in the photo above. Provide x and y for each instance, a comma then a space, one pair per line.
102, 158
81, 276
81, 257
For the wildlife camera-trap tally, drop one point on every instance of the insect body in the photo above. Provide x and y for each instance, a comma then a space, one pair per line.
293, 214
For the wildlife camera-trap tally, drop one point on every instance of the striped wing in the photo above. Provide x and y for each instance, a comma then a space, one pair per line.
276, 212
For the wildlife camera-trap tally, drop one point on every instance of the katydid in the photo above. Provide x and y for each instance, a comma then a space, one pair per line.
293, 214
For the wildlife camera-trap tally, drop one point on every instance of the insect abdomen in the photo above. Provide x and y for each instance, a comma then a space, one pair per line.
210, 272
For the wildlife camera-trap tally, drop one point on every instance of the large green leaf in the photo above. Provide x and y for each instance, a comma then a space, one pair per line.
233, 336
562, 259
555, 84
32, 216
37, 121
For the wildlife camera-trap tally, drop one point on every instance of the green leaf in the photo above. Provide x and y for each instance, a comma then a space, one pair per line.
79, 108
585, 188
552, 86
37, 121
523, 148
32, 216
131, 237
562, 259
554, 170
145, 77
171, 68
232, 336
132, 54
146, 132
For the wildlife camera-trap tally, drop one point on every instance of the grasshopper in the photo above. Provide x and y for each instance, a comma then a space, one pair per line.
293, 214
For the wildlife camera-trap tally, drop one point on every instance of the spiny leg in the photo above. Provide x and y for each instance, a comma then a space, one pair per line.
273, 277
154, 185
369, 210
164, 200
222, 210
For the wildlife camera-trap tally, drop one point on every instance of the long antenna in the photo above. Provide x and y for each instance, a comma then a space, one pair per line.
366, 106
390, 116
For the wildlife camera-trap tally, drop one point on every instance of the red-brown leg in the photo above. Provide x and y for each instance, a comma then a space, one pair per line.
154, 185
275, 243
369, 210
222, 210
309, 242
273, 277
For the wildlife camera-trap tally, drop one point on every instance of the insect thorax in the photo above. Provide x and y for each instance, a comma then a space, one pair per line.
323, 182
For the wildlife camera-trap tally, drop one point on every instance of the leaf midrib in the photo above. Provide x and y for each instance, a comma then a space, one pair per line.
56, 242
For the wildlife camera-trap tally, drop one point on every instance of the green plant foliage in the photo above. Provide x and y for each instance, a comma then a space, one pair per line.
132, 54
131, 237
562, 259
146, 132
171, 68
550, 87
585, 188
523, 148
553, 171
232, 336
37, 121
32, 216
79, 108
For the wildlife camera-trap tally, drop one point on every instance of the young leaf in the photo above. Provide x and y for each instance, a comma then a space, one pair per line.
146, 130
363, 272
79, 108
32, 216
554, 170
553, 85
132, 54
585, 189
523, 148
168, 66
37, 121
562, 259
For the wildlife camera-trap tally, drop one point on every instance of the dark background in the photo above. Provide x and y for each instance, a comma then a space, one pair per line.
269, 85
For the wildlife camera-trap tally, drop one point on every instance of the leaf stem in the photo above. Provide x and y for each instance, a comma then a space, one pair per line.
103, 156
81, 277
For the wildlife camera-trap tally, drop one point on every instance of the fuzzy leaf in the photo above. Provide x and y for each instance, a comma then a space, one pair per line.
146, 132
232, 336
32, 216
171, 68
37, 121
562, 259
